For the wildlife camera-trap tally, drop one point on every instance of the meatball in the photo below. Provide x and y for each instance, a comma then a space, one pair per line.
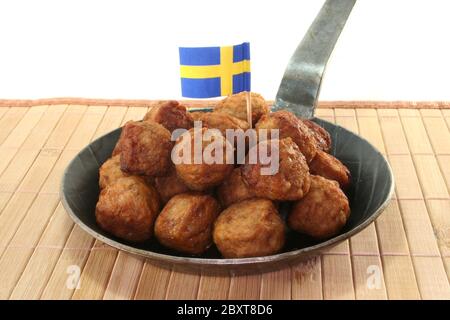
322, 212
127, 209
222, 121
290, 126
186, 222
197, 115
236, 106
118, 147
171, 114
233, 189
146, 148
329, 167
170, 185
215, 157
250, 228
320, 135
290, 181
110, 172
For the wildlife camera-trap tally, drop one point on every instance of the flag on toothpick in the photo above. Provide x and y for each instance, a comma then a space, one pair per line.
208, 72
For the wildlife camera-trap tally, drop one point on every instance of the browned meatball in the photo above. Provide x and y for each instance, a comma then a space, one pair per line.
329, 167
233, 189
110, 172
290, 182
146, 148
322, 212
212, 169
236, 106
251, 228
186, 222
171, 114
320, 135
290, 126
118, 148
222, 121
197, 115
127, 209
170, 185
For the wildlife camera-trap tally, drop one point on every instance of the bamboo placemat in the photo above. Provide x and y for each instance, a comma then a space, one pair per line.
42, 252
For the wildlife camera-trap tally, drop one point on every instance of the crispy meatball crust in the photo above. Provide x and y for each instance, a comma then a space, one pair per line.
320, 135
329, 167
233, 189
170, 185
292, 180
110, 172
236, 106
322, 212
200, 177
186, 222
251, 228
146, 148
127, 209
171, 114
290, 126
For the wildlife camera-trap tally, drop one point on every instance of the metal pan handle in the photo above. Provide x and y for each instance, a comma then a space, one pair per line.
300, 86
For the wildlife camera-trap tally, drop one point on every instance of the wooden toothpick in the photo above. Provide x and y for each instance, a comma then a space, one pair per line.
249, 108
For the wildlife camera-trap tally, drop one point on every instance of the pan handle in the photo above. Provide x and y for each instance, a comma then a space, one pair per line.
300, 86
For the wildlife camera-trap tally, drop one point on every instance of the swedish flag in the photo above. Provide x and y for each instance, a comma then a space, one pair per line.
215, 71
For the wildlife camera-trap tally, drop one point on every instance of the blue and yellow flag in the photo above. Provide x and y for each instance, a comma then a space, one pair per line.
215, 71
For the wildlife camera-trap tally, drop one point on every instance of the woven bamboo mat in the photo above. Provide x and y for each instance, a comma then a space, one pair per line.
404, 254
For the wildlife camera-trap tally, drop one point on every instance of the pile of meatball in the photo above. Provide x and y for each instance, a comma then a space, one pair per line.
191, 207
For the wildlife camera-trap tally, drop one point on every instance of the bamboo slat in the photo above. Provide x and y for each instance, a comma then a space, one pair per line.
439, 211
97, 270
419, 230
9, 121
307, 280
153, 282
431, 278
276, 285
432, 183
245, 286
214, 285
124, 277
403, 168
400, 278
182, 285
392, 127
337, 278
416, 135
444, 164
34, 220
439, 134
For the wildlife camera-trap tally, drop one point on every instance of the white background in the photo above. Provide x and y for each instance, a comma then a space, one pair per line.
389, 49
